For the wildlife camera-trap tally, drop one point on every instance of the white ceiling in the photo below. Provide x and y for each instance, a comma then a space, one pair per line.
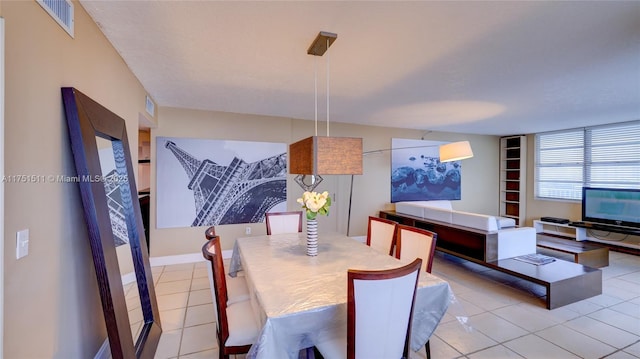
470, 67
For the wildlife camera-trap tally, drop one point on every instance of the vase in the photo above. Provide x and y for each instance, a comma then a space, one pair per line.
312, 237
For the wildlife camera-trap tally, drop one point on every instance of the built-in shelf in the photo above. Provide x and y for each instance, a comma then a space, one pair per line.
513, 177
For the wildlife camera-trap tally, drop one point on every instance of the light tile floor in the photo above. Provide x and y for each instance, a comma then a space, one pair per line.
494, 315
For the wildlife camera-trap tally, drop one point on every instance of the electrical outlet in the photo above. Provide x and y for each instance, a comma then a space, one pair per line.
22, 243
247, 230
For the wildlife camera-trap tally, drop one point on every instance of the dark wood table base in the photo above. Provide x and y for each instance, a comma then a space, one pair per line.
565, 282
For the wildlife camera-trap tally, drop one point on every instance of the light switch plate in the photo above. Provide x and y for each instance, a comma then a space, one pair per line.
22, 243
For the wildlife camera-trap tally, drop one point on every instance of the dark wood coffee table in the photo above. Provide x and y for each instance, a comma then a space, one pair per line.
566, 282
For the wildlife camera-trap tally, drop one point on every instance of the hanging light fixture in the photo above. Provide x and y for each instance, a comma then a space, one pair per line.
324, 155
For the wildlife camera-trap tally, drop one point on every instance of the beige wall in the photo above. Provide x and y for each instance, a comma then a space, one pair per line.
371, 191
52, 308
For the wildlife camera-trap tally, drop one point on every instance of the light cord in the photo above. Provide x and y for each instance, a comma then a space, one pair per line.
327, 87
315, 87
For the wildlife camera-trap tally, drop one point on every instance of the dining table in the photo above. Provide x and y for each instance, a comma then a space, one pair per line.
300, 300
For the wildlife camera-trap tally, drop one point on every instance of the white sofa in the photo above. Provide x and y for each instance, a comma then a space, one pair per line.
512, 241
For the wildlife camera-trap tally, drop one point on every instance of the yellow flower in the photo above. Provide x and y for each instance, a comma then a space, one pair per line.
315, 203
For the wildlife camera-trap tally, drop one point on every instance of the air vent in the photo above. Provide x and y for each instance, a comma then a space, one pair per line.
61, 11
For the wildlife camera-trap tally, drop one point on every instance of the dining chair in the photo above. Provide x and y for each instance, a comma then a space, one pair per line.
236, 326
283, 222
379, 312
236, 287
381, 234
412, 242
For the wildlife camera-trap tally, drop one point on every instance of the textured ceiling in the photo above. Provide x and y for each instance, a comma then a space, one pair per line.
471, 67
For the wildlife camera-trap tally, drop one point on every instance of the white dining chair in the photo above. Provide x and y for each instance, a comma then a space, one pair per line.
283, 222
236, 326
237, 289
379, 312
412, 243
381, 234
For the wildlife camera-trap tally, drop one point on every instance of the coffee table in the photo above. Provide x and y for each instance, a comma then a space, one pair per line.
566, 282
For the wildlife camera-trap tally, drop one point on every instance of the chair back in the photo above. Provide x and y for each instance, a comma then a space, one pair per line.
380, 309
381, 234
283, 222
213, 253
412, 242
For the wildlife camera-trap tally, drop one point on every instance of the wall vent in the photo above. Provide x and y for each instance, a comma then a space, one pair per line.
61, 11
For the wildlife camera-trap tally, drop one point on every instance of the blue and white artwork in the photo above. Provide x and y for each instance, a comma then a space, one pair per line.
418, 175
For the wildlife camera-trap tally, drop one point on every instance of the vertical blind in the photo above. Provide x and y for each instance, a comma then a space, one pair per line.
600, 156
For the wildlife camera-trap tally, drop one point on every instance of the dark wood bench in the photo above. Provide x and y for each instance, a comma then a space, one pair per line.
583, 253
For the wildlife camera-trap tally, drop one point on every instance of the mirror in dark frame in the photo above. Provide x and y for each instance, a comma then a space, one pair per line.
114, 224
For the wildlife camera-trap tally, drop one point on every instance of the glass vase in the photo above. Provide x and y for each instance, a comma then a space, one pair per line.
312, 237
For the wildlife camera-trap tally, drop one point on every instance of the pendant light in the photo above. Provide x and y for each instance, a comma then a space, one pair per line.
324, 155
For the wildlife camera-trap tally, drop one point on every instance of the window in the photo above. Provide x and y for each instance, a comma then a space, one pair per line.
599, 156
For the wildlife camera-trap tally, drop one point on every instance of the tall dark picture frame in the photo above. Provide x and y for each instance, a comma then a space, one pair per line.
86, 120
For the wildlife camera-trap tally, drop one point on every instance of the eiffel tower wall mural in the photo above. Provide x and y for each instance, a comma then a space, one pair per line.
203, 182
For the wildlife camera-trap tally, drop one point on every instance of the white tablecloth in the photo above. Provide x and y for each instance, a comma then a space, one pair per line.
299, 300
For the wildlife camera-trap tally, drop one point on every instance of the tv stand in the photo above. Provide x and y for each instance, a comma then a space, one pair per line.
607, 227
582, 233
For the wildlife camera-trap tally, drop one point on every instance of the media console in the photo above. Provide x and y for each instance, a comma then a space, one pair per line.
584, 233
565, 282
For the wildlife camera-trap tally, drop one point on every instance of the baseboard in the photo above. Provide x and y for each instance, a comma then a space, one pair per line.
361, 239
104, 352
183, 258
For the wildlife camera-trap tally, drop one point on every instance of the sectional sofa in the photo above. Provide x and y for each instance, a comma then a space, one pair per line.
487, 237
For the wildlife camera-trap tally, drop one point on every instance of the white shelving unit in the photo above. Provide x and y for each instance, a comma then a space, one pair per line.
513, 167
584, 234
580, 234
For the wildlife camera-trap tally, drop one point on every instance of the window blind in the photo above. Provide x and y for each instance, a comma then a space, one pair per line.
599, 156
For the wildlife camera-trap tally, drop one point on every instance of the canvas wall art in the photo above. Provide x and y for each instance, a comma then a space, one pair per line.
418, 175
202, 182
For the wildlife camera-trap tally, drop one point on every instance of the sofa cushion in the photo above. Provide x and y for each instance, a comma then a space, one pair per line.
474, 220
504, 222
410, 208
446, 205
417, 208
437, 214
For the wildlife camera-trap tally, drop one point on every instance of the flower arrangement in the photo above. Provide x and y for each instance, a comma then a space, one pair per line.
315, 203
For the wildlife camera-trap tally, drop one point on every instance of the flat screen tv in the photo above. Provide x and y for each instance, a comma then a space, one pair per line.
615, 206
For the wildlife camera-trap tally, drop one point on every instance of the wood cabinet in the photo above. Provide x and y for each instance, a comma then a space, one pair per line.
513, 157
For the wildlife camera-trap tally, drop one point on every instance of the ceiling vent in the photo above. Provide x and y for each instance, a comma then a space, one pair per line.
61, 11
